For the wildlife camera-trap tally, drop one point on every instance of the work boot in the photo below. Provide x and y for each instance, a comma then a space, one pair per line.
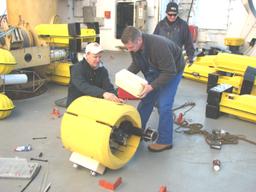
155, 147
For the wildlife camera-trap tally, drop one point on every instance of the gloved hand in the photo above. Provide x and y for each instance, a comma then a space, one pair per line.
191, 61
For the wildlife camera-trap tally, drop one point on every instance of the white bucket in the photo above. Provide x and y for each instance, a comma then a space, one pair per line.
130, 82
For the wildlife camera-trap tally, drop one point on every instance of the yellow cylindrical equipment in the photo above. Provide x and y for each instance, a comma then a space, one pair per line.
60, 72
87, 126
7, 61
6, 106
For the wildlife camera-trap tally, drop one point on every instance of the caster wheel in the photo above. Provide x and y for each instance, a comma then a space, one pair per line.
93, 173
75, 166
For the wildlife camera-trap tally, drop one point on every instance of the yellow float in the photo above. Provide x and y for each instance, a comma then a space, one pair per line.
7, 62
60, 72
91, 128
6, 106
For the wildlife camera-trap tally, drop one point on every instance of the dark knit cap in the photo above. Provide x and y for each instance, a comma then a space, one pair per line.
172, 7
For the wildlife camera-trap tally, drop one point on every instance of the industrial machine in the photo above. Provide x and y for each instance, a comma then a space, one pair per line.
102, 133
38, 48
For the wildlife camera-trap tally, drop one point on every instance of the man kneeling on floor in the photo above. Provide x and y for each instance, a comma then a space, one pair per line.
90, 77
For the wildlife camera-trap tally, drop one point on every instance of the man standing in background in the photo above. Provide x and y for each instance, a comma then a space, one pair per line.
176, 29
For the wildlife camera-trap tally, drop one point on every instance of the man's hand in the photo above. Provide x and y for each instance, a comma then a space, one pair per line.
191, 61
147, 88
112, 97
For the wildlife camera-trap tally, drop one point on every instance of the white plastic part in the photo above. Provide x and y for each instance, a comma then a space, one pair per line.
130, 82
87, 162
11, 79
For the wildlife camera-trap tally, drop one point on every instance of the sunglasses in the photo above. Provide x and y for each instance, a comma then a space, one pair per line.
171, 14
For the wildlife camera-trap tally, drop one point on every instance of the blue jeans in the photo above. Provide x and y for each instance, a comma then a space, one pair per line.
164, 99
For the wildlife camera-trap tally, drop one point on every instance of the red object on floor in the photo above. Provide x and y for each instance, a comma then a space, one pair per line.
163, 189
180, 119
55, 112
112, 186
125, 95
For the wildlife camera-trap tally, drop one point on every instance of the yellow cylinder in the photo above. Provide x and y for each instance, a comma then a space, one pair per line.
6, 106
32, 12
60, 72
7, 61
87, 125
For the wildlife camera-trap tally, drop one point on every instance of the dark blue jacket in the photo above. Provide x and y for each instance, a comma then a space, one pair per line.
86, 81
160, 54
178, 31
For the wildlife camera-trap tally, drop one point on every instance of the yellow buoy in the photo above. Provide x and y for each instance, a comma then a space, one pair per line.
6, 106
7, 61
87, 127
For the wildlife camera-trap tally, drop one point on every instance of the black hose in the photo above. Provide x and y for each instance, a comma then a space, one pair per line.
32, 178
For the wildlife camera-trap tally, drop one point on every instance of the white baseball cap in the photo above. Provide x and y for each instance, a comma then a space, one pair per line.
93, 48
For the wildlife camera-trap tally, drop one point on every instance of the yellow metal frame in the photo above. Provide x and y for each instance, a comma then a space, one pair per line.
233, 63
200, 69
58, 34
242, 106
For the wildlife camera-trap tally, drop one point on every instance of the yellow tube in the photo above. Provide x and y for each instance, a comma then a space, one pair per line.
60, 72
87, 125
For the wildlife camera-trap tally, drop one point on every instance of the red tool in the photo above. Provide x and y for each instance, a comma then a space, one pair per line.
112, 186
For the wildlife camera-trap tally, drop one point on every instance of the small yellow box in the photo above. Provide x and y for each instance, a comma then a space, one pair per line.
232, 41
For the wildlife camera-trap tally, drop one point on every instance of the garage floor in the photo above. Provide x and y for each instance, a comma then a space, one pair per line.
185, 168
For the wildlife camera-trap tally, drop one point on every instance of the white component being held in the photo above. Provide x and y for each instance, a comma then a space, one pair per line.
12, 79
130, 82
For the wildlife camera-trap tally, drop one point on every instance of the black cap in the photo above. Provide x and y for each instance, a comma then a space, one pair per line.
172, 7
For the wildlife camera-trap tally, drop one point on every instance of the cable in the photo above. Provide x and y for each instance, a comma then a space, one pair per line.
32, 178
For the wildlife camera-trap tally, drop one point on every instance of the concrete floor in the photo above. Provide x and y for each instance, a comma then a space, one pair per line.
185, 168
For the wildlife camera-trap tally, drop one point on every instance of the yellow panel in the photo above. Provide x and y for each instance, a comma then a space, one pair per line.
198, 72
234, 63
233, 41
58, 33
87, 125
242, 106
